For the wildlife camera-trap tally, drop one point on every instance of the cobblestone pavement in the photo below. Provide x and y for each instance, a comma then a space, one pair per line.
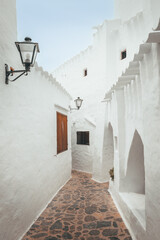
82, 210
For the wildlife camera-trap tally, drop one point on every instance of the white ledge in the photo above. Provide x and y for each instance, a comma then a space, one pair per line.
154, 37
138, 57
62, 108
134, 64
126, 78
131, 71
157, 28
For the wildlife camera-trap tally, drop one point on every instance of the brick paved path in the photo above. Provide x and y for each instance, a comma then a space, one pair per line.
82, 210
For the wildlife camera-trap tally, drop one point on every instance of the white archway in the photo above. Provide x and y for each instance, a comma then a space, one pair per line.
108, 151
135, 175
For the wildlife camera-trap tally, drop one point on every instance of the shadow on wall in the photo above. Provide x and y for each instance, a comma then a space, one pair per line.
108, 150
135, 175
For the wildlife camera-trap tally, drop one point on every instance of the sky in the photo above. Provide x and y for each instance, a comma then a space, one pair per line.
62, 28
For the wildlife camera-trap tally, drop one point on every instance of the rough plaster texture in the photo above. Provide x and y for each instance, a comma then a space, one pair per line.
84, 158
30, 171
125, 9
132, 109
134, 190
108, 149
135, 175
104, 65
87, 151
91, 88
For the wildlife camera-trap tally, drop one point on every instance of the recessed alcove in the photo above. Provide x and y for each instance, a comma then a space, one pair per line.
135, 175
133, 185
108, 149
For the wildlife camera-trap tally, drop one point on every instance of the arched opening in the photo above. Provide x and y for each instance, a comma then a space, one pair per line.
108, 151
133, 185
135, 175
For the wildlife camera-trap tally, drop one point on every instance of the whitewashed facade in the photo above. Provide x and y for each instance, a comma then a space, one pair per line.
31, 172
124, 127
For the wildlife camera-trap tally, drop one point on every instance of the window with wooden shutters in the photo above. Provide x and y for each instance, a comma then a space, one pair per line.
83, 138
62, 143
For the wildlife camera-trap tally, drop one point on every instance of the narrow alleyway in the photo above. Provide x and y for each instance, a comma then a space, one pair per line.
82, 210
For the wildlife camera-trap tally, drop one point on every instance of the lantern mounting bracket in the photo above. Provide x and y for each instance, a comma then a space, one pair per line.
70, 108
8, 73
78, 103
28, 51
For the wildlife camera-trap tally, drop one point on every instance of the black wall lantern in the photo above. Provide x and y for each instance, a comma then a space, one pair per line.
78, 101
28, 52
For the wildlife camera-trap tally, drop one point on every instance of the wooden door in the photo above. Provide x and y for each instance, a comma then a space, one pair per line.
62, 136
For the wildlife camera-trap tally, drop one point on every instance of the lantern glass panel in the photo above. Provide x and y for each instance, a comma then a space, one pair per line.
78, 102
34, 55
26, 52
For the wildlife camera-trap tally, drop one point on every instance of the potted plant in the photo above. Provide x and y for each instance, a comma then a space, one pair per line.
111, 173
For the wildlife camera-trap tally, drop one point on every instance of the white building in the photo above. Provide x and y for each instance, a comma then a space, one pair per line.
124, 131
120, 130
31, 171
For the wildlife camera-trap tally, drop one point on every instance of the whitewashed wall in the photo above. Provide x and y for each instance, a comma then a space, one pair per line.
91, 89
132, 102
134, 189
30, 171
125, 9
84, 163
130, 124
104, 65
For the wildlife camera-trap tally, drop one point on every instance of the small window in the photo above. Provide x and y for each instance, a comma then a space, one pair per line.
83, 138
62, 143
85, 72
123, 54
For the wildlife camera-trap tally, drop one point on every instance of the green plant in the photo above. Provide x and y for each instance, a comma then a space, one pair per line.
111, 172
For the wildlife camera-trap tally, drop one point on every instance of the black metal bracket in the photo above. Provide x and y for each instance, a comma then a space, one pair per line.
8, 73
73, 108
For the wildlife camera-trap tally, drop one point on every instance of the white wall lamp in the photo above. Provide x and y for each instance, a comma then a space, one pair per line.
28, 52
78, 101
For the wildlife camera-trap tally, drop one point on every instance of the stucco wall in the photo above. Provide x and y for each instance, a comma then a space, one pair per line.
87, 158
104, 65
30, 171
132, 99
91, 89
135, 193
82, 155
125, 9
151, 114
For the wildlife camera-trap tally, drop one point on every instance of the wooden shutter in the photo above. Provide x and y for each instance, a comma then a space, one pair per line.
62, 143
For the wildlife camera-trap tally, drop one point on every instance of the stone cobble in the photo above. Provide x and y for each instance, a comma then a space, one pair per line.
82, 210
